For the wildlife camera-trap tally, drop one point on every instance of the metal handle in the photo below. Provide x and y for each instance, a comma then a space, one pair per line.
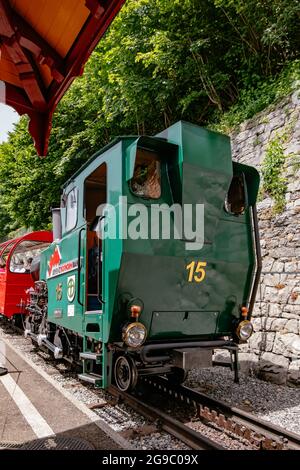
99, 297
258, 260
79, 266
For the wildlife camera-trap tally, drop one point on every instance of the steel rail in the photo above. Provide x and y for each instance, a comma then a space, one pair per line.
193, 439
261, 433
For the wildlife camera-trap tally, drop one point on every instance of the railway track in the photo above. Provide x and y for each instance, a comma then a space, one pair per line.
165, 422
261, 434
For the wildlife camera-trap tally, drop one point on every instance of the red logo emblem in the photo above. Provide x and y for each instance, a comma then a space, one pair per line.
54, 260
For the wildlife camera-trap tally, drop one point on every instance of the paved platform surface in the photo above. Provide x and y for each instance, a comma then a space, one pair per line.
32, 408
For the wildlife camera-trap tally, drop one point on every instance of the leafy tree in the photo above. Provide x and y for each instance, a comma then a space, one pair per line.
160, 61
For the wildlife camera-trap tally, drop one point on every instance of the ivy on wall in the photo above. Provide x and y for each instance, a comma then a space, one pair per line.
274, 182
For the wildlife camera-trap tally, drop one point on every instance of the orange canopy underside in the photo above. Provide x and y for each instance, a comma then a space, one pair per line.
44, 45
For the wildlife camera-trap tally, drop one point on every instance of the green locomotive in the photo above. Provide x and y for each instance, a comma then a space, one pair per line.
124, 288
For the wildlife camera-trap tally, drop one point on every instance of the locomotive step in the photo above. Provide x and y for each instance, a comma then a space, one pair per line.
91, 378
92, 356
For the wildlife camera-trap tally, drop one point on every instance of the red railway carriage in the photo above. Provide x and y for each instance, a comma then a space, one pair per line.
15, 259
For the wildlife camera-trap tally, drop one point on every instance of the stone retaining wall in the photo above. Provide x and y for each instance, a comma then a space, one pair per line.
273, 352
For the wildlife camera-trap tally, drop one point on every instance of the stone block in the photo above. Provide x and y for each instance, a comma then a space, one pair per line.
276, 123
275, 310
273, 368
278, 266
248, 362
291, 267
265, 204
278, 295
290, 315
263, 224
267, 264
241, 137
263, 243
292, 148
282, 252
289, 206
293, 375
287, 345
271, 280
297, 203
260, 295
257, 324
294, 196
259, 130
221, 355
293, 186
278, 324
292, 326
262, 341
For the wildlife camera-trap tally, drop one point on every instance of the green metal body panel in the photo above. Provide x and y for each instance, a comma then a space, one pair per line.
59, 311
196, 169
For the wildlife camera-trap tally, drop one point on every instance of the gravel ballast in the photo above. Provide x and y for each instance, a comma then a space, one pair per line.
278, 404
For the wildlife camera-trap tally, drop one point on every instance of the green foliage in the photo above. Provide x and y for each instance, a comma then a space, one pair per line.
28, 186
161, 61
273, 182
255, 99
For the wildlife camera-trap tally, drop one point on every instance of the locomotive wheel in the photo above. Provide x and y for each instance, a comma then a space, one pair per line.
125, 373
177, 376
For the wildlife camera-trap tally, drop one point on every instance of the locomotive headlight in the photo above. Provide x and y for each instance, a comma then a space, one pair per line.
134, 334
244, 330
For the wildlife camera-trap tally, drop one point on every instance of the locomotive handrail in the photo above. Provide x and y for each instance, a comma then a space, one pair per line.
79, 266
258, 259
100, 297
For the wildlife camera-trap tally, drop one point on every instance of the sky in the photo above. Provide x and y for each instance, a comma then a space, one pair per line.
7, 118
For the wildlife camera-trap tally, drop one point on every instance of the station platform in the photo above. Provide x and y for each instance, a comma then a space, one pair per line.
34, 410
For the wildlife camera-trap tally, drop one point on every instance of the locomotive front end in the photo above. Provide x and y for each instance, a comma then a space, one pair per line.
190, 263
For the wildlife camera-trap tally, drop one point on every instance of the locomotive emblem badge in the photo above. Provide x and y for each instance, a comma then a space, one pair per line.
71, 288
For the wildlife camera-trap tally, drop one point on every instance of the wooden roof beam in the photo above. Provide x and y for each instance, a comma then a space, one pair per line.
39, 126
27, 50
41, 50
28, 76
28, 38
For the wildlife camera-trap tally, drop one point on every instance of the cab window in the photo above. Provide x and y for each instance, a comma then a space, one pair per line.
235, 202
71, 209
146, 180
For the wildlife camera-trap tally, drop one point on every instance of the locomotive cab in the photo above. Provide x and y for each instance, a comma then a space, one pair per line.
158, 260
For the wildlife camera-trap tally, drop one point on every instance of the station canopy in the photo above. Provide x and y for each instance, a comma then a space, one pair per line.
44, 45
